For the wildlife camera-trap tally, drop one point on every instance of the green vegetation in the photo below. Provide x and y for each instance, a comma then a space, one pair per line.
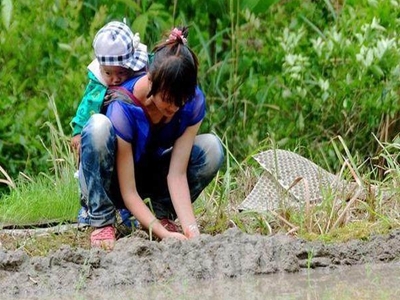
320, 78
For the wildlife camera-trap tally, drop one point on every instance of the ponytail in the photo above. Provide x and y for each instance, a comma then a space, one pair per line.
173, 71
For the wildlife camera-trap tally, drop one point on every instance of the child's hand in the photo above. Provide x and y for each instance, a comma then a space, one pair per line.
76, 143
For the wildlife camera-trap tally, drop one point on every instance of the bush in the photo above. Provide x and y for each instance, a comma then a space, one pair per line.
289, 74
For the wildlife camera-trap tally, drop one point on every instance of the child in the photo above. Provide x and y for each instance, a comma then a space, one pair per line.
119, 57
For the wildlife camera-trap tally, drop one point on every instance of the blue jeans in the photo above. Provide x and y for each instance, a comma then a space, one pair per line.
99, 183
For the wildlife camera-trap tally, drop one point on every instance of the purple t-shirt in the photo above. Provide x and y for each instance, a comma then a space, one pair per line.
132, 125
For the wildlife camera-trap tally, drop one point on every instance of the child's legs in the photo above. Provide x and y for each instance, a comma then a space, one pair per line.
98, 146
205, 160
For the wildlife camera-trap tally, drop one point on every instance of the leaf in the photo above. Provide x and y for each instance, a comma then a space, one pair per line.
6, 11
64, 46
131, 4
331, 9
250, 4
140, 24
258, 6
377, 71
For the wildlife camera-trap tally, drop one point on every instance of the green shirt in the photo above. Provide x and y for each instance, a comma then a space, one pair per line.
90, 104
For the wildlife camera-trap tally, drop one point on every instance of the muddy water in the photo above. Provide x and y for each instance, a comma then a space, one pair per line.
377, 281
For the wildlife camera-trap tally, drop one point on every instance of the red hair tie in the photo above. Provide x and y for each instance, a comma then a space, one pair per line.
176, 34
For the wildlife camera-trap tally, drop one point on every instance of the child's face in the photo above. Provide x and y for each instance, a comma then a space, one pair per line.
115, 75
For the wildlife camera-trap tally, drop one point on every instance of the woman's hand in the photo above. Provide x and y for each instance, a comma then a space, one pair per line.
192, 231
176, 235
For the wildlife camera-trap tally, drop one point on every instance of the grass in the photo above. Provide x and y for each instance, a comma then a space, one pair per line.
374, 210
44, 198
41, 245
41, 200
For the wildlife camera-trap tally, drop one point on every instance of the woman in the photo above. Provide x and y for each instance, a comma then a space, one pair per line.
146, 146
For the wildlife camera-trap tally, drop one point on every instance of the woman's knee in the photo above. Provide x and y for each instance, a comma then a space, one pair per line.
212, 149
97, 131
98, 125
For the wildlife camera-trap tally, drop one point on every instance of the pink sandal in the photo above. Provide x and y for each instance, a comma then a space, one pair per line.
103, 238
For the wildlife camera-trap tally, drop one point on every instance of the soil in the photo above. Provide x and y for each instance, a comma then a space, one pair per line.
137, 261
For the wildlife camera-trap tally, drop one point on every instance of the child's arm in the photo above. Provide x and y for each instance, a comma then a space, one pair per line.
91, 103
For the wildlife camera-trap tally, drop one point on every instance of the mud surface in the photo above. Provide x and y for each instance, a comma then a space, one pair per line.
136, 262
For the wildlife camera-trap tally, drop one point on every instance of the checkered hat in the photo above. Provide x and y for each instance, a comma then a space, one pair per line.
116, 45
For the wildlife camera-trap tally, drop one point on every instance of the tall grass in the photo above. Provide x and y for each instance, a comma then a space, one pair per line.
44, 198
372, 207
8, 180
41, 200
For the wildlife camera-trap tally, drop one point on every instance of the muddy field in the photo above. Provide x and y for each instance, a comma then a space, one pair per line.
136, 262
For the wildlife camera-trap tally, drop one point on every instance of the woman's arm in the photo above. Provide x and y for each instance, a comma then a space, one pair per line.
178, 183
132, 199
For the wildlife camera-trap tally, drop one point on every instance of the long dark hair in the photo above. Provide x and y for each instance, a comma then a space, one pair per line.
173, 72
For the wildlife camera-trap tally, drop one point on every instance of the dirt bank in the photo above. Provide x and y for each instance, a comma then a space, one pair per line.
136, 261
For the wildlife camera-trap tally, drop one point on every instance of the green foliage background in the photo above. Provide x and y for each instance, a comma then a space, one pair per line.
288, 74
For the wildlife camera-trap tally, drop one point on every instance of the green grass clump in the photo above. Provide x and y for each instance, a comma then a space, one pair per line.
356, 230
46, 197
41, 200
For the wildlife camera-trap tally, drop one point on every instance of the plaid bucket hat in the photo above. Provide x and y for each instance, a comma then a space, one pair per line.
116, 45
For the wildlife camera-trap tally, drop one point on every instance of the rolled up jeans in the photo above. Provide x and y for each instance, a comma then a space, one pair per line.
98, 177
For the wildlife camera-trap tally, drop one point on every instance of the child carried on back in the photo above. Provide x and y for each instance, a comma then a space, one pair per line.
119, 57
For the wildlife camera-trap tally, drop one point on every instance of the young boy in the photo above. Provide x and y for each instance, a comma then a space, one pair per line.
119, 57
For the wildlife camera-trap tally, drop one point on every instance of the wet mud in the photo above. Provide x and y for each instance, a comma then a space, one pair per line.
137, 262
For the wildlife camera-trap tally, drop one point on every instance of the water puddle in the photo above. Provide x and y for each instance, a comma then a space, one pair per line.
381, 281
374, 282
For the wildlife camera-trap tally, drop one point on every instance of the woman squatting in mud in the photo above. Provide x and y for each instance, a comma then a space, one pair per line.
146, 145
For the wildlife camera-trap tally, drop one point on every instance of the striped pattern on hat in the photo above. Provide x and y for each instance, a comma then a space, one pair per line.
116, 45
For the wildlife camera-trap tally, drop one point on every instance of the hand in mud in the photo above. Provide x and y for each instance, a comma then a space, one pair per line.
177, 235
192, 231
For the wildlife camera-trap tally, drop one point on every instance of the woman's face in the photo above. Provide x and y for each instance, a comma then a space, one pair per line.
115, 75
167, 109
